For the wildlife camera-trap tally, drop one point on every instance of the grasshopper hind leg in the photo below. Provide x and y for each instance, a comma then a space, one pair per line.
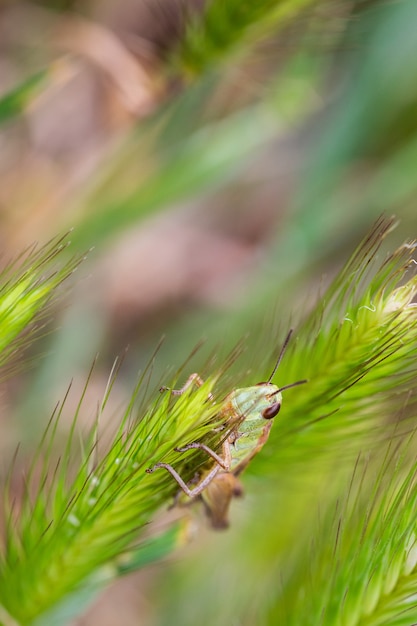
191, 493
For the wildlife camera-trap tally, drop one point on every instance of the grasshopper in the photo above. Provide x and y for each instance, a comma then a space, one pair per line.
248, 417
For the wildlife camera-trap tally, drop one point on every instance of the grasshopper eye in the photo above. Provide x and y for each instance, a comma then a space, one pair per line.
271, 411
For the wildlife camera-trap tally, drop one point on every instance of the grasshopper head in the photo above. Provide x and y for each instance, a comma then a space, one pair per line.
270, 400
266, 398
260, 401
270, 397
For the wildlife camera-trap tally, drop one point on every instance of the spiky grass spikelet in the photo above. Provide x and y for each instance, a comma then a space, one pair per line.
357, 349
27, 287
68, 529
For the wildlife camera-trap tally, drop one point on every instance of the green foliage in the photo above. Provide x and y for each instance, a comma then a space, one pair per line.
78, 523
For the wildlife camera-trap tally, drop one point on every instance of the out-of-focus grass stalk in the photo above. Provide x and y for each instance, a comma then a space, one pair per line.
227, 26
362, 563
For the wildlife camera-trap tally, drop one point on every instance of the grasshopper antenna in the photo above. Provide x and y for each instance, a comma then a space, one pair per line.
299, 382
281, 354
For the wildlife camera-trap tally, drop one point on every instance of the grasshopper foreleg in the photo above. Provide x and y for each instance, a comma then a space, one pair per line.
194, 379
223, 461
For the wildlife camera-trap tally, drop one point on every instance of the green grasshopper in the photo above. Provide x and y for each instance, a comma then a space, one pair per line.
248, 414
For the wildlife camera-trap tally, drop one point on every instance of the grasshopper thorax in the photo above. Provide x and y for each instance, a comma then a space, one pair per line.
253, 405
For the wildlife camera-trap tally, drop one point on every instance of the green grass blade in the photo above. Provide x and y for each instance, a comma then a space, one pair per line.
14, 102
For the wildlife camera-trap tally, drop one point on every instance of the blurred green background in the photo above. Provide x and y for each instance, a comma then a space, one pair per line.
222, 174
